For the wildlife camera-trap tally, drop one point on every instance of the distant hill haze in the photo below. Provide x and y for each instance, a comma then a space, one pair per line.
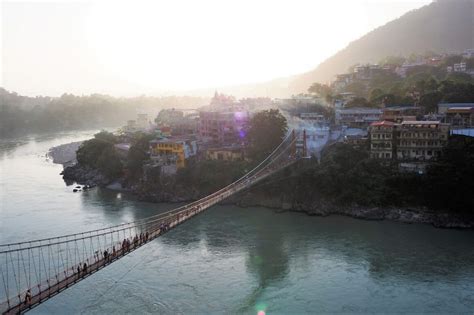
443, 26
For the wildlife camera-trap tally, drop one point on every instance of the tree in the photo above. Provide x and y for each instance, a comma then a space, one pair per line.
322, 90
358, 88
375, 95
100, 153
429, 101
109, 163
450, 60
138, 154
358, 102
392, 60
459, 77
456, 92
265, 132
106, 137
449, 183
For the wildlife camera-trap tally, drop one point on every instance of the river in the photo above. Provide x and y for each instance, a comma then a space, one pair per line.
235, 260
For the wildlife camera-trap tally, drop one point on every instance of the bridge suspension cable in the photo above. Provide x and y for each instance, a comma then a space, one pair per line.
35, 270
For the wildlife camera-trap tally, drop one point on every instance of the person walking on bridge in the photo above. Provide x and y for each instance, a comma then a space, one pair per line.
84, 269
28, 297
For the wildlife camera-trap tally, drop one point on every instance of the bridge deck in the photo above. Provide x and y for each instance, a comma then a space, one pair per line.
45, 290
49, 291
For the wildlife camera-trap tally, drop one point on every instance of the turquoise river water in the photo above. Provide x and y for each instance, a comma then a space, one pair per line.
235, 260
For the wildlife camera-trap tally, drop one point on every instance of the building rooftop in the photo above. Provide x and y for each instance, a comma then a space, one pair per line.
171, 139
421, 122
383, 123
401, 107
360, 110
456, 104
460, 109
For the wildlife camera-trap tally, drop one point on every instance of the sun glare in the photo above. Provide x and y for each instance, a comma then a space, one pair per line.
196, 44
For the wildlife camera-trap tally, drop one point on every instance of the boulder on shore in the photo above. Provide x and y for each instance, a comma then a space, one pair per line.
84, 175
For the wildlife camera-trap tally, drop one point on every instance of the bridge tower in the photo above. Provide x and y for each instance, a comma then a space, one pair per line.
293, 146
305, 148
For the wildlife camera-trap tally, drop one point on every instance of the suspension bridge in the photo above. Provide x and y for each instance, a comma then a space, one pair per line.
36, 270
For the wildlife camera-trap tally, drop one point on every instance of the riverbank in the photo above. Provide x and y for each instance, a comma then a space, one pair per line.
359, 187
269, 196
232, 258
65, 154
325, 208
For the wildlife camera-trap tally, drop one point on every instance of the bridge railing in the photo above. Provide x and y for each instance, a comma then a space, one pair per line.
33, 270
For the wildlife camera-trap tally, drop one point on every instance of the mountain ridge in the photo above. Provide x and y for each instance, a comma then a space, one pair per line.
442, 26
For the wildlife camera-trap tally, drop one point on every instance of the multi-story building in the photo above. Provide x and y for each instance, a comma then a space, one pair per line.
460, 117
366, 72
359, 117
382, 144
443, 107
223, 122
460, 67
400, 113
223, 127
342, 80
357, 141
313, 118
468, 53
404, 69
421, 140
172, 151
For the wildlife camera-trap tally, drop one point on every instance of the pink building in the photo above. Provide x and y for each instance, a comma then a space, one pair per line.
224, 121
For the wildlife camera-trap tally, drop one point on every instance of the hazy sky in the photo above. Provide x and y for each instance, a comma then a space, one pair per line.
134, 47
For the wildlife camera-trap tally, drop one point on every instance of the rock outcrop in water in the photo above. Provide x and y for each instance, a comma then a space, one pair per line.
84, 175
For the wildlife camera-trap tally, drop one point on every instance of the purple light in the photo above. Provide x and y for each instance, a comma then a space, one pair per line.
240, 116
242, 134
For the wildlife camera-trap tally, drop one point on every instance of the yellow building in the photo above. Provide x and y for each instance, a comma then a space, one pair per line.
170, 151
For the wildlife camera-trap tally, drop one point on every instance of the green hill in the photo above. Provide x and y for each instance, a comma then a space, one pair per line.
442, 26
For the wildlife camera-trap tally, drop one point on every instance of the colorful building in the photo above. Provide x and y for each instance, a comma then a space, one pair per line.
223, 122
172, 151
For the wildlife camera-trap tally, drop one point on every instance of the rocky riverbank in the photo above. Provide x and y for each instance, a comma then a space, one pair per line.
84, 175
272, 197
318, 206
326, 208
65, 153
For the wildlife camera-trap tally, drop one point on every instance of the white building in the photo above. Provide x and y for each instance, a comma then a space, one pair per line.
359, 117
460, 67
